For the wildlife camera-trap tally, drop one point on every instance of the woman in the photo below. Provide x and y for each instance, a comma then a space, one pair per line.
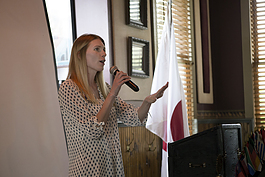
91, 109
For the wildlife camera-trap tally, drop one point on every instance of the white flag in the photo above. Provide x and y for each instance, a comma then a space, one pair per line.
168, 115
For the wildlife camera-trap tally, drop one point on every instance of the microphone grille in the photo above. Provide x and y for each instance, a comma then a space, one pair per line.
113, 69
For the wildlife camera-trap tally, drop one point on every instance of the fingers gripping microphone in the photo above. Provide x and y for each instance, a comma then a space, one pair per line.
113, 70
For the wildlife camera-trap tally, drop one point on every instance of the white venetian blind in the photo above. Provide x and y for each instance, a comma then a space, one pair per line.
258, 58
182, 27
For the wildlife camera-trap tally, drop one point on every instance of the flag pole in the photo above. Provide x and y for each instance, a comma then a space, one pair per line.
170, 13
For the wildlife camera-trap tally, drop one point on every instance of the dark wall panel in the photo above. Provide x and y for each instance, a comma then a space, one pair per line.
226, 47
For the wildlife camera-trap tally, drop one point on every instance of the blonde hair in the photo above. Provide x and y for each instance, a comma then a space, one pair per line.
78, 68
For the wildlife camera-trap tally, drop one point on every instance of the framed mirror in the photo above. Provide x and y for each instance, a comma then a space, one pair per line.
136, 13
138, 51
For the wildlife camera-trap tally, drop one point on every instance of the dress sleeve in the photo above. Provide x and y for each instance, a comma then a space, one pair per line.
127, 113
77, 112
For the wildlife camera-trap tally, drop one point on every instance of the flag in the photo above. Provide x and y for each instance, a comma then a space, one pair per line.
243, 162
262, 132
251, 168
239, 170
259, 146
168, 115
253, 155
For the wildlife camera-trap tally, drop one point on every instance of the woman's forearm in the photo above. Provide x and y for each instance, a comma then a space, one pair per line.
104, 112
143, 110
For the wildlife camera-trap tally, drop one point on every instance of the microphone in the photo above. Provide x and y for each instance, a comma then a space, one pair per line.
113, 70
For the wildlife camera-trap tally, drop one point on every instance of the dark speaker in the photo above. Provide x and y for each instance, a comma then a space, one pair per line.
213, 152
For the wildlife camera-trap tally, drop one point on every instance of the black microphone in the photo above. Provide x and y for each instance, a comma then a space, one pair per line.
113, 70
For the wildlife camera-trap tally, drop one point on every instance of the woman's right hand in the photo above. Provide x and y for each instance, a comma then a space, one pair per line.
119, 80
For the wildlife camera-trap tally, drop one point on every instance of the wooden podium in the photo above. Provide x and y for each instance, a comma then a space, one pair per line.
211, 153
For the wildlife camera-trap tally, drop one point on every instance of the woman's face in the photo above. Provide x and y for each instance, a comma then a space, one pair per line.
95, 56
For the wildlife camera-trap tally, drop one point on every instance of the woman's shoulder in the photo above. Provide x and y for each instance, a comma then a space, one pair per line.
68, 83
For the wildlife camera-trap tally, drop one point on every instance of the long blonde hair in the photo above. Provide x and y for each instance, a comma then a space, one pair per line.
78, 68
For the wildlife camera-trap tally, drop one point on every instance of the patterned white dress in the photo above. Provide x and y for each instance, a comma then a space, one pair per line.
93, 150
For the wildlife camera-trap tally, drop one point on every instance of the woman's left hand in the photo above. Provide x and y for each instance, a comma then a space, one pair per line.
152, 98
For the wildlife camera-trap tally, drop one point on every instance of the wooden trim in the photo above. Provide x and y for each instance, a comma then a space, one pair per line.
204, 96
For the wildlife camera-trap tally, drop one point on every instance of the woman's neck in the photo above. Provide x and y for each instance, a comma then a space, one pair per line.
93, 85
91, 78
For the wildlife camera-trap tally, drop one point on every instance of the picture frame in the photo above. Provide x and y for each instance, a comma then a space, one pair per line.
138, 57
203, 52
136, 13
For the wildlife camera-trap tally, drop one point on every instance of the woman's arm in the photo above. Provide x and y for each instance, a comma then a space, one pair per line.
77, 113
119, 80
104, 112
144, 108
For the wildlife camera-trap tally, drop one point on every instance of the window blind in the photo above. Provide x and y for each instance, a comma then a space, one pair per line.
257, 8
182, 28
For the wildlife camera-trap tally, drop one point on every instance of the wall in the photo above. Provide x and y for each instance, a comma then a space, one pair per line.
121, 31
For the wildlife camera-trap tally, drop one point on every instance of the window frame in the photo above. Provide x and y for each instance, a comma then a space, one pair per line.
258, 60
